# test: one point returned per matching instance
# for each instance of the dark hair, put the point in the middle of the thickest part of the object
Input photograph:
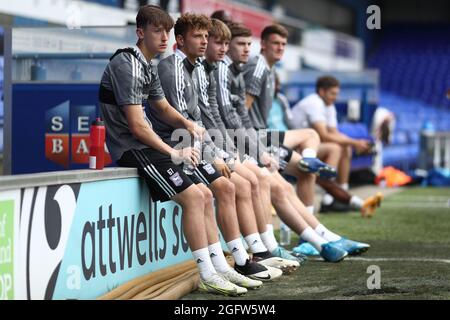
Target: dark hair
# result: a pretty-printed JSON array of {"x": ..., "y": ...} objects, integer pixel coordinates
[
  {"x": 385, "y": 132},
  {"x": 274, "y": 29},
  {"x": 326, "y": 82},
  {"x": 153, "y": 15},
  {"x": 191, "y": 21},
  {"x": 221, "y": 15},
  {"x": 219, "y": 30},
  {"x": 239, "y": 30}
]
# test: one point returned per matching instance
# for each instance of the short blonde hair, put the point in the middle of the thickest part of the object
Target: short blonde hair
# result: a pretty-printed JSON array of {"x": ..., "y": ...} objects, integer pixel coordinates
[{"x": 219, "y": 30}]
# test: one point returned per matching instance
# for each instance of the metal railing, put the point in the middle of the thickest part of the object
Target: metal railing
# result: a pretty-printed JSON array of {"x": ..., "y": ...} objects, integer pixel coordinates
[{"x": 434, "y": 150}]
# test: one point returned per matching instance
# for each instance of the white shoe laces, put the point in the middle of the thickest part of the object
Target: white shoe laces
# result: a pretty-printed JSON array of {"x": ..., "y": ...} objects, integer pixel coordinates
[
  {"x": 216, "y": 279},
  {"x": 236, "y": 275}
]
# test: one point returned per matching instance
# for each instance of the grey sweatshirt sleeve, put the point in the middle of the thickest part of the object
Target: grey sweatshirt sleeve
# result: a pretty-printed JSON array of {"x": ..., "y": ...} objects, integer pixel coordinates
[
  {"x": 228, "y": 143},
  {"x": 123, "y": 80},
  {"x": 171, "y": 84},
  {"x": 253, "y": 81},
  {"x": 227, "y": 112},
  {"x": 239, "y": 102}
]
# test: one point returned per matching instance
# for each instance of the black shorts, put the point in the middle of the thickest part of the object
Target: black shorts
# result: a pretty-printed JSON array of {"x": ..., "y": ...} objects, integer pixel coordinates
[
  {"x": 164, "y": 178},
  {"x": 205, "y": 173},
  {"x": 284, "y": 155}
]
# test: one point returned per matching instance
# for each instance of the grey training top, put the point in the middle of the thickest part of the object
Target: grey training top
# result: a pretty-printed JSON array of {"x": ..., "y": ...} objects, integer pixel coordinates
[
  {"x": 260, "y": 83},
  {"x": 180, "y": 83},
  {"x": 227, "y": 109},
  {"x": 132, "y": 80},
  {"x": 208, "y": 105},
  {"x": 231, "y": 100},
  {"x": 179, "y": 88}
]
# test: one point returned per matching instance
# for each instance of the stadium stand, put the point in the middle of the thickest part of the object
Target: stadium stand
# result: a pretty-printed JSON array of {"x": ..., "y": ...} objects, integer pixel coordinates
[
  {"x": 411, "y": 116},
  {"x": 421, "y": 55}
]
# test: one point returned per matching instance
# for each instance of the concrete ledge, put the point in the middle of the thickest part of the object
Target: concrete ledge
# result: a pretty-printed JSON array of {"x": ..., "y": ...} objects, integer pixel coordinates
[{"x": 64, "y": 177}]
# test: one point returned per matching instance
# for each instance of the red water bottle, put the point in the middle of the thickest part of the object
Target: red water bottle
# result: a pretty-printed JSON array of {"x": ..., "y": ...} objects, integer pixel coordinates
[{"x": 97, "y": 148}]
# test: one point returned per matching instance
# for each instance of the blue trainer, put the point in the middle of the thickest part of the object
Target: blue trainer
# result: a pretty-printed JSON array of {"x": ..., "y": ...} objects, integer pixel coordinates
[
  {"x": 306, "y": 249},
  {"x": 314, "y": 165},
  {"x": 352, "y": 247},
  {"x": 332, "y": 253},
  {"x": 281, "y": 252}
]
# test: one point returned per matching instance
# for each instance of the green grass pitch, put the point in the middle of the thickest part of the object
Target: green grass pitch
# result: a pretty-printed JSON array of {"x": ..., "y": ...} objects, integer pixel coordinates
[{"x": 410, "y": 239}]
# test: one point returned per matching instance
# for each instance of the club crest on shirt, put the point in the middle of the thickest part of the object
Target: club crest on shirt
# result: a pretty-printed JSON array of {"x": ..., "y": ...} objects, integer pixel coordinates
[
  {"x": 176, "y": 179},
  {"x": 209, "y": 168}
]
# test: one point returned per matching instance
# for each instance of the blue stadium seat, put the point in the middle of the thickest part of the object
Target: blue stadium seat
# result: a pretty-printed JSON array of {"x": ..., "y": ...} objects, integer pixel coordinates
[
  {"x": 410, "y": 116},
  {"x": 357, "y": 131}
]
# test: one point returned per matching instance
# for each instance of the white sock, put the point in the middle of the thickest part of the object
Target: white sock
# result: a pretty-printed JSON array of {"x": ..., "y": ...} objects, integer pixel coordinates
[
  {"x": 313, "y": 238},
  {"x": 204, "y": 264},
  {"x": 309, "y": 153},
  {"x": 327, "y": 234},
  {"x": 255, "y": 243},
  {"x": 268, "y": 238},
  {"x": 269, "y": 227},
  {"x": 218, "y": 258},
  {"x": 327, "y": 199},
  {"x": 236, "y": 248},
  {"x": 344, "y": 186},
  {"x": 356, "y": 202},
  {"x": 310, "y": 209}
]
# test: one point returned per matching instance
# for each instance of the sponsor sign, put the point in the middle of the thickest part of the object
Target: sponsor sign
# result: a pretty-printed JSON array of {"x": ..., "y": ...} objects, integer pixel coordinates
[
  {"x": 80, "y": 241},
  {"x": 9, "y": 203},
  {"x": 54, "y": 130}
]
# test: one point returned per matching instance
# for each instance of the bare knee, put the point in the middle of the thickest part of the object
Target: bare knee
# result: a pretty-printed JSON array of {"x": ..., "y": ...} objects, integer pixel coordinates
[
  {"x": 306, "y": 138},
  {"x": 225, "y": 188},
  {"x": 313, "y": 136},
  {"x": 254, "y": 183},
  {"x": 334, "y": 149},
  {"x": 277, "y": 191},
  {"x": 287, "y": 187},
  {"x": 244, "y": 188},
  {"x": 191, "y": 198},
  {"x": 263, "y": 181},
  {"x": 207, "y": 196}
]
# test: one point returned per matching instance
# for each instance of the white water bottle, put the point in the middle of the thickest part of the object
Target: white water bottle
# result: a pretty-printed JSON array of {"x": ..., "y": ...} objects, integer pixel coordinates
[
  {"x": 285, "y": 234},
  {"x": 189, "y": 168}
]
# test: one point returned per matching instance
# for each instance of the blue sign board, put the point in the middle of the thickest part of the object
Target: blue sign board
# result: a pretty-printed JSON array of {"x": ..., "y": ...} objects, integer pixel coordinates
[{"x": 50, "y": 126}]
